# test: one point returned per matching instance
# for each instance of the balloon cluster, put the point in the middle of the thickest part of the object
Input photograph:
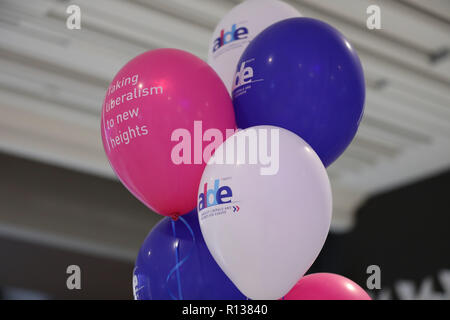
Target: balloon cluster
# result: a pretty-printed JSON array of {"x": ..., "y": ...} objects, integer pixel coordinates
[{"x": 247, "y": 210}]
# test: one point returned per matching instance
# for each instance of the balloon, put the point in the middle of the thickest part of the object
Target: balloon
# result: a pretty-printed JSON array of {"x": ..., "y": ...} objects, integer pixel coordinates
[
  {"x": 266, "y": 213},
  {"x": 156, "y": 276},
  {"x": 155, "y": 110},
  {"x": 326, "y": 286},
  {"x": 301, "y": 74},
  {"x": 235, "y": 31}
]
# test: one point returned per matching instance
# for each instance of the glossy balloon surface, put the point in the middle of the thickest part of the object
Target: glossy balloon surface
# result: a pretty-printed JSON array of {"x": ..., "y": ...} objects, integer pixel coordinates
[
  {"x": 303, "y": 75},
  {"x": 197, "y": 277}
]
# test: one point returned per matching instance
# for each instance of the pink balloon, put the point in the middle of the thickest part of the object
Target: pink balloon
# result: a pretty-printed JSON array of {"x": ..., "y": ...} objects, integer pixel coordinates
[
  {"x": 326, "y": 286},
  {"x": 153, "y": 121}
]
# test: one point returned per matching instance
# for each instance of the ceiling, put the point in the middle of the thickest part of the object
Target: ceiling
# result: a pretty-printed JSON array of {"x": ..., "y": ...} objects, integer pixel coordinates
[{"x": 53, "y": 80}]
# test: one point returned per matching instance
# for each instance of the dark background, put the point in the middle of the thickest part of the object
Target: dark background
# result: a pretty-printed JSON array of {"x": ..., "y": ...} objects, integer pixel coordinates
[{"x": 406, "y": 233}]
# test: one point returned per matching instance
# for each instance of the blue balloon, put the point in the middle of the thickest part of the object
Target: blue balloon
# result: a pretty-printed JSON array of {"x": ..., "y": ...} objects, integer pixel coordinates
[
  {"x": 174, "y": 263},
  {"x": 301, "y": 74}
]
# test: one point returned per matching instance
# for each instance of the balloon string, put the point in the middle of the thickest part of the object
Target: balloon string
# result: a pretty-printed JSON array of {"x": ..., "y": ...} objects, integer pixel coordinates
[
  {"x": 190, "y": 231},
  {"x": 178, "y": 264},
  {"x": 177, "y": 254}
]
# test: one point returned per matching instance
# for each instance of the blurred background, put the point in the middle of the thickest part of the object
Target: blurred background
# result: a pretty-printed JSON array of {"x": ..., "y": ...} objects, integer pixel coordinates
[{"x": 60, "y": 203}]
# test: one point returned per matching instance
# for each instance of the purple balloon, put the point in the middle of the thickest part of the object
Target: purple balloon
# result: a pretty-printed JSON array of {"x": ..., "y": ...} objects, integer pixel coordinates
[
  {"x": 175, "y": 264},
  {"x": 301, "y": 74}
]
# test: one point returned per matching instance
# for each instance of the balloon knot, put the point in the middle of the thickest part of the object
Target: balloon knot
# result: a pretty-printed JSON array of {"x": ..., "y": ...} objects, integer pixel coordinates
[{"x": 175, "y": 216}]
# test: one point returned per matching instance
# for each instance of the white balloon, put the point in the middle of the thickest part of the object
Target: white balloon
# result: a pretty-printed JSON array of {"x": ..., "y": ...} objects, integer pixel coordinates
[
  {"x": 266, "y": 227},
  {"x": 243, "y": 23}
]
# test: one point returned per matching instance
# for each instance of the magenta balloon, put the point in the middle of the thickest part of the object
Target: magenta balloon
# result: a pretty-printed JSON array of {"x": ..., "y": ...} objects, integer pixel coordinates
[
  {"x": 153, "y": 104},
  {"x": 326, "y": 286}
]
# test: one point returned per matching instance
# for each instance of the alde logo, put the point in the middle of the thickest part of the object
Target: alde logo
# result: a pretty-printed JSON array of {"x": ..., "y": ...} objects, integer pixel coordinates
[
  {"x": 227, "y": 37},
  {"x": 244, "y": 75},
  {"x": 214, "y": 196}
]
